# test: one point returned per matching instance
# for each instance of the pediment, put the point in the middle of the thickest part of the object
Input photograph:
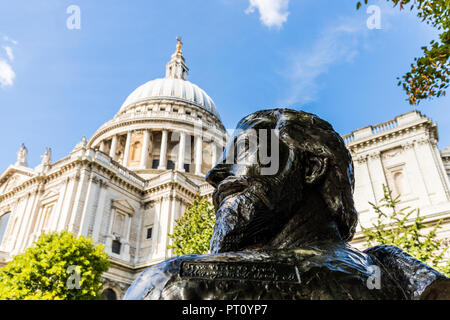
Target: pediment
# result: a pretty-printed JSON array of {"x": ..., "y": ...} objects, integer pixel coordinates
[
  {"x": 14, "y": 176},
  {"x": 50, "y": 194},
  {"x": 123, "y": 205}
]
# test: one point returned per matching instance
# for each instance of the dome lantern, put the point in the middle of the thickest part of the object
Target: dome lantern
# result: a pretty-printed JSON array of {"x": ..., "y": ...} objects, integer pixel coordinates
[{"x": 176, "y": 67}]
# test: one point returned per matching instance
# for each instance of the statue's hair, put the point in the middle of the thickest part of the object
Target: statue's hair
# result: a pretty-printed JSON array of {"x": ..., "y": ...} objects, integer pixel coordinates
[{"x": 305, "y": 135}]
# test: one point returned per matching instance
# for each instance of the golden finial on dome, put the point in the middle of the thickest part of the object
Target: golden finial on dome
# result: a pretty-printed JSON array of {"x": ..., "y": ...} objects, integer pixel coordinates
[{"x": 179, "y": 45}]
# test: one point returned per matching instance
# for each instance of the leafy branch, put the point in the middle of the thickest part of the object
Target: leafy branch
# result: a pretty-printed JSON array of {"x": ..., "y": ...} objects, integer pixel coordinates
[
  {"x": 405, "y": 228},
  {"x": 430, "y": 74}
]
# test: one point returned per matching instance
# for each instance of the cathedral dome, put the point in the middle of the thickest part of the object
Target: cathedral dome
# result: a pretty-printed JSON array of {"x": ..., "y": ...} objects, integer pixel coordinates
[
  {"x": 165, "y": 124},
  {"x": 174, "y": 86},
  {"x": 171, "y": 89}
]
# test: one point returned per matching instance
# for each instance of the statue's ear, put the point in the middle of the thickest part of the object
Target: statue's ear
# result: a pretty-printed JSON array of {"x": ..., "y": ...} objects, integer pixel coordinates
[{"x": 317, "y": 167}]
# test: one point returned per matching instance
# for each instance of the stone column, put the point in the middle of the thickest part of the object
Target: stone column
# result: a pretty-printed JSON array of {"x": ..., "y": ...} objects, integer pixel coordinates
[
  {"x": 11, "y": 227},
  {"x": 164, "y": 224},
  {"x": 90, "y": 205},
  {"x": 112, "y": 151},
  {"x": 172, "y": 217},
  {"x": 79, "y": 197},
  {"x": 127, "y": 149},
  {"x": 144, "y": 154},
  {"x": 66, "y": 208},
  {"x": 99, "y": 212},
  {"x": 181, "y": 151},
  {"x": 430, "y": 162},
  {"x": 415, "y": 173},
  {"x": 126, "y": 243},
  {"x": 109, "y": 235},
  {"x": 29, "y": 215},
  {"x": 441, "y": 168},
  {"x": 53, "y": 224},
  {"x": 20, "y": 224},
  {"x": 156, "y": 224},
  {"x": 376, "y": 172},
  {"x": 198, "y": 155},
  {"x": 102, "y": 146},
  {"x": 39, "y": 226},
  {"x": 364, "y": 188},
  {"x": 163, "y": 151}
]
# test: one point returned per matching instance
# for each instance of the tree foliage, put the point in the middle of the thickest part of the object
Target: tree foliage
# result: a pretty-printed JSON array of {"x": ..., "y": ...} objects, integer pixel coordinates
[
  {"x": 395, "y": 226},
  {"x": 429, "y": 75},
  {"x": 193, "y": 231},
  {"x": 48, "y": 270}
]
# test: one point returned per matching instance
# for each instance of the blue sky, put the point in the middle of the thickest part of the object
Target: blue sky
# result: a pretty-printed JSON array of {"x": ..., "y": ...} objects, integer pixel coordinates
[{"x": 58, "y": 84}]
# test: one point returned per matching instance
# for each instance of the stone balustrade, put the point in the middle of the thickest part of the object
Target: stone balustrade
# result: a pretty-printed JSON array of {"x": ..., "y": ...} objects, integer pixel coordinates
[{"x": 397, "y": 123}]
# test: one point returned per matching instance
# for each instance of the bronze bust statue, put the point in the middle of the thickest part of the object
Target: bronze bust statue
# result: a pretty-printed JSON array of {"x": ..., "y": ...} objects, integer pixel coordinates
[{"x": 284, "y": 235}]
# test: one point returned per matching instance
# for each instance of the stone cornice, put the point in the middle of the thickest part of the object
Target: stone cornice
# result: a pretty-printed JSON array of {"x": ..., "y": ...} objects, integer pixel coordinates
[
  {"x": 168, "y": 101},
  {"x": 168, "y": 187},
  {"x": 81, "y": 163},
  {"x": 402, "y": 125},
  {"x": 156, "y": 120},
  {"x": 114, "y": 173}
]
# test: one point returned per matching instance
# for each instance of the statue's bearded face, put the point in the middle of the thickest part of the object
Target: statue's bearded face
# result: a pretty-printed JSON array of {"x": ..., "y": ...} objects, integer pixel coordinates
[{"x": 249, "y": 200}]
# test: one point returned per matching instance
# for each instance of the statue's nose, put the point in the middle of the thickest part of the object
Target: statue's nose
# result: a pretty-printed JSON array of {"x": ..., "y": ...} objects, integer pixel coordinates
[{"x": 217, "y": 174}]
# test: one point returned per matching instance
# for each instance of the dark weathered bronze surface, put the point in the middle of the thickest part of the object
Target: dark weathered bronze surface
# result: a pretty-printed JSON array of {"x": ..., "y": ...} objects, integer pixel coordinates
[{"x": 284, "y": 235}]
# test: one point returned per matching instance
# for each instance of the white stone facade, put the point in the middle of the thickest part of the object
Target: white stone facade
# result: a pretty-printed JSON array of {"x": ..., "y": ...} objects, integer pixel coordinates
[
  {"x": 126, "y": 186},
  {"x": 402, "y": 154}
]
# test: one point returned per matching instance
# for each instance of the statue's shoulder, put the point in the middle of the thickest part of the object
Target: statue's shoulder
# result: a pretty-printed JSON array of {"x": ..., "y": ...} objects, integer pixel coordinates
[
  {"x": 180, "y": 277},
  {"x": 150, "y": 283},
  {"x": 418, "y": 280}
]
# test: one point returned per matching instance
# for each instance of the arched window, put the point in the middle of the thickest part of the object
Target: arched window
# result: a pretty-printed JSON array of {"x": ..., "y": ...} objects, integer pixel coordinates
[
  {"x": 3, "y": 224},
  {"x": 109, "y": 294}
]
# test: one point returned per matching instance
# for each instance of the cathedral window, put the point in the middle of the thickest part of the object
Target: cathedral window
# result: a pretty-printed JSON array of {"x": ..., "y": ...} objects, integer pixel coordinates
[
  {"x": 155, "y": 164},
  {"x": 170, "y": 165},
  {"x": 109, "y": 294},
  {"x": 149, "y": 233},
  {"x": 119, "y": 223},
  {"x": 3, "y": 224},
  {"x": 116, "y": 246}
]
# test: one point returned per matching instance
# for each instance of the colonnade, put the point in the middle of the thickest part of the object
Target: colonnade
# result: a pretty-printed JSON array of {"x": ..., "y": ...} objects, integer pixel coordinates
[{"x": 163, "y": 157}]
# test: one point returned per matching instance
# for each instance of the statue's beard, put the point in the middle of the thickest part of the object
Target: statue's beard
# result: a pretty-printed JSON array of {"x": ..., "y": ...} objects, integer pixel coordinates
[{"x": 245, "y": 216}]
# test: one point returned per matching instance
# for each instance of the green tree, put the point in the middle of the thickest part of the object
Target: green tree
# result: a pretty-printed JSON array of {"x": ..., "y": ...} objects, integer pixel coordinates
[
  {"x": 430, "y": 73},
  {"x": 194, "y": 229},
  {"x": 401, "y": 228},
  {"x": 50, "y": 268}
]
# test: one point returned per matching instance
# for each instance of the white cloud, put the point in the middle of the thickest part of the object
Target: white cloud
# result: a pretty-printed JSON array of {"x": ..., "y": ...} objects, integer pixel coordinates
[
  {"x": 7, "y": 74},
  {"x": 9, "y": 52},
  {"x": 273, "y": 13},
  {"x": 335, "y": 45}
]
